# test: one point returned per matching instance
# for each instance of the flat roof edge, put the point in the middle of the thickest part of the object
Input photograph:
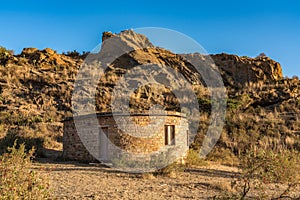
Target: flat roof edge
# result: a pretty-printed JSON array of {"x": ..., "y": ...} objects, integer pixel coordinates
[{"x": 110, "y": 114}]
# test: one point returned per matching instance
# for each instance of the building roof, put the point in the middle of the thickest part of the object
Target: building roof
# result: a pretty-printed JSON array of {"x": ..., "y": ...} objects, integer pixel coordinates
[{"x": 110, "y": 114}]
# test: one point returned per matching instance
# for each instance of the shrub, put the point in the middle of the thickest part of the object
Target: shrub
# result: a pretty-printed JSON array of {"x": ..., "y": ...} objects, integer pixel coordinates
[
  {"x": 76, "y": 55},
  {"x": 17, "y": 180},
  {"x": 205, "y": 104},
  {"x": 233, "y": 104},
  {"x": 171, "y": 170},
  {"x": 271, "y": 167},
  {"x": 16, "y": 136},
  {"x": 193, "y": 159},
  {"x": 261, "y": 168},
  {"x": 223, "y": 156},
  {"x": 4, "y": 54}
]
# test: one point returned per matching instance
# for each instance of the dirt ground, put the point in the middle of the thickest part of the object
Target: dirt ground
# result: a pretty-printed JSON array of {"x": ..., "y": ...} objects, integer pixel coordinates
[{"x": 72, "y": 180}]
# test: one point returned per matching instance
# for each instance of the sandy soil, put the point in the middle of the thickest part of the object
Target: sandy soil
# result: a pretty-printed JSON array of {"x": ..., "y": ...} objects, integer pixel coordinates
[{"x": 71, "y": 180}]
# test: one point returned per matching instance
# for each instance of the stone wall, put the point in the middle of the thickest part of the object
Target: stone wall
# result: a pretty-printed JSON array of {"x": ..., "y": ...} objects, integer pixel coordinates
[{"x": 138, "y": 133}]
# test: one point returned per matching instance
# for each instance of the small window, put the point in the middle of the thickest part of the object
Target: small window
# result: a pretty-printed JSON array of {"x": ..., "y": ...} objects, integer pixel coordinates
[
  {"x": 169, "y": 135},
  {"x": 187, "y": 138}
]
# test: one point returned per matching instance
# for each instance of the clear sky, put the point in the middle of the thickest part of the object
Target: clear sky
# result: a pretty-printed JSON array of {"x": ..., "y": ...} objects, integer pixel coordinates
[{"x": 237, "y": 27}]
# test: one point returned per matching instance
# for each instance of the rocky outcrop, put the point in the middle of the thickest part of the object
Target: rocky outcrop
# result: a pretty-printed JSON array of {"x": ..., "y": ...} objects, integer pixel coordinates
[
  {"x": 129, "y": 38},
  {"x": 237, "y": 71},
  {"x": 44, "y": 57}
]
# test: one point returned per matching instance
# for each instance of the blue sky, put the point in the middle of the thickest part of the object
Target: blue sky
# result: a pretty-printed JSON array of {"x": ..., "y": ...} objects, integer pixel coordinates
[{"x": 237, "y": 27}]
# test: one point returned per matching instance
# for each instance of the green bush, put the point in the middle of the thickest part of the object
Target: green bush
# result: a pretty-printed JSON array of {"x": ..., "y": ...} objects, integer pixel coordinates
[
  {"x": 76, "y": 55},
  {"x": 17, "y": 180},
  {"x": 4, "y": 54},
  {"x": 233, "y": 104},
  {"x": 204, "y": 104}
]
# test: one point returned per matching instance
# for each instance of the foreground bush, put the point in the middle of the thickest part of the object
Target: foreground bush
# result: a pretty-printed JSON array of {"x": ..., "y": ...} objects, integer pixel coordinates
[
  {"x": 262, "y": 169},
  {"x": 272, "y": 167},
  {"x": 17, "y": 180}
]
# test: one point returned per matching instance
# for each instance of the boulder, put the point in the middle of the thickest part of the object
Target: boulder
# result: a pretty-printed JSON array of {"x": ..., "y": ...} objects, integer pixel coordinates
[
  {"x": 28, "y": 51},
  {"x": 49, "y": 51},
  {"x": 241, "y": 71}
]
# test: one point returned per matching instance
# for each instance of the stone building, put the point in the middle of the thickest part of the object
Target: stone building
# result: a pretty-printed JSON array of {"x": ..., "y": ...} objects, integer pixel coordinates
[{"x": 137, "y": 133}]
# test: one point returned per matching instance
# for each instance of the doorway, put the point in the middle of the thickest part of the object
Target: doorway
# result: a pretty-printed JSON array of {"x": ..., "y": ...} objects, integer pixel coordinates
[{"x": 104, "y": 143}]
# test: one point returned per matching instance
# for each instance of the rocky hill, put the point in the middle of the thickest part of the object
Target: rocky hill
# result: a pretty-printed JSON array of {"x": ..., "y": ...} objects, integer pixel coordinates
[{"x": 36, "y": 88}]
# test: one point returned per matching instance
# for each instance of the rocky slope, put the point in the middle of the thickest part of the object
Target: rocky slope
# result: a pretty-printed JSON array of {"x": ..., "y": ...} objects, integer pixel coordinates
[{"x": 36, "y": 88}]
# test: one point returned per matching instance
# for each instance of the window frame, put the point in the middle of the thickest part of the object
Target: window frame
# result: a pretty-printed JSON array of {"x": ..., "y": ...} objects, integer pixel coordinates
[{"x": 169, "y": 135}]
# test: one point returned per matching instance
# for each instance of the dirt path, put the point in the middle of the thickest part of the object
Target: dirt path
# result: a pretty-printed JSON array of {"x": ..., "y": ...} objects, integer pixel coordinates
[{"x": 83, "y": 181}]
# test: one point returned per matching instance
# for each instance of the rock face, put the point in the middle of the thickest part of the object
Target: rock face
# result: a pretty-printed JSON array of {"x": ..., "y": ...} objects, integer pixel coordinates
[
  {"x": 146, "y": 95},
  {"x": 241, "y": 70},
  {"x": 129, "y": 37},
  {"x": 237, "y": 72}
]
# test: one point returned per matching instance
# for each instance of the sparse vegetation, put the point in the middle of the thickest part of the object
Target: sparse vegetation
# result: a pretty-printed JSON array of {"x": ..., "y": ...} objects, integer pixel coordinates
[
  {"x": 4, "y": 55},
  {"x": 75, "y": 54},
  {"x": 261, "y": 133},
  {"x": 193, "y": 159},
  {"x": 272, "y": 167},
  {"x": 14, "y": 136},
  {"x": 171, "y": 170},
  {"x": 262, "y": 168},
  {"x": 17, "y": 179}
]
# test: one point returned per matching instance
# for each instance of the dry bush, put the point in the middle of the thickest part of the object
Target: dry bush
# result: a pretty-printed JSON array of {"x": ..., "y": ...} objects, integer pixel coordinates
[
  {"x": 261, "y": 169},
  {"x": 148, "y": 176},
  {"x": 20, "y": 136},
  {"x": 223, "y": 156},
  {"x": 222, "y": 185},
  {"x": 193, "y": 159},
  {"x": 272, "y": 167},
  {"x": 17, "y": 180},
  {"x": 171, "y": 170}
]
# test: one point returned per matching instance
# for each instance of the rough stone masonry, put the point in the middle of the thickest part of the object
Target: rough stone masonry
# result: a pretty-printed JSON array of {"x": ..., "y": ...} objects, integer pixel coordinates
[{"x": 144, "y": 135}]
